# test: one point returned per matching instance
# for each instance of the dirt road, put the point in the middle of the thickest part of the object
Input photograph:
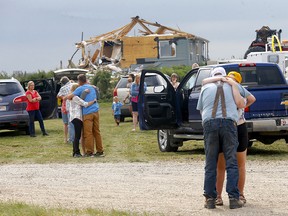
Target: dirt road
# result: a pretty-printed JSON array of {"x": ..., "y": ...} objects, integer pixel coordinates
[{"x": 157, "y": 188}]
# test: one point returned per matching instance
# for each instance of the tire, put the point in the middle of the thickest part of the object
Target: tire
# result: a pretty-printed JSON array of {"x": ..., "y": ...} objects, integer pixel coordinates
[
  {"x": 250, "y": 143},
  {"x": 166, "y": 143},
  {"x": 254, "y": 49}
]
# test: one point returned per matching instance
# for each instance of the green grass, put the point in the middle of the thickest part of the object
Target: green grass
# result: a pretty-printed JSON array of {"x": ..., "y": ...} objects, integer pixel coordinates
[
  {"x": 21, "y": 209},
  {"x": 120, "y": 144}
]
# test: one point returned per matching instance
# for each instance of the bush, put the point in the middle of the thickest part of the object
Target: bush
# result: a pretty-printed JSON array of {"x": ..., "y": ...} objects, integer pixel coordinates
[{"x": 102, "y": 81}]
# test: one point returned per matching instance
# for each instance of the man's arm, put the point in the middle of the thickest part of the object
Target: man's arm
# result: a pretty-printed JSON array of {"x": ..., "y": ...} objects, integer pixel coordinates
[
  {"x": 250, "y": 100},
  {"x": 69, "y": 96},
  {"x": 240, "y": 103},
  {"x": 213, "y": 79}
]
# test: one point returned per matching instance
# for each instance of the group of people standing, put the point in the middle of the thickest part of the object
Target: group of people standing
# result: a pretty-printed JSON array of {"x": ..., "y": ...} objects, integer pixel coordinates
[
  {"x": 221, "y": 103},
  {"x": 82, "y": 110}
]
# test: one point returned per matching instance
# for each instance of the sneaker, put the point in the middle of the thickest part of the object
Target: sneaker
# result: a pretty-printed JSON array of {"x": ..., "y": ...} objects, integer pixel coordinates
[
  {"x": 219, "y": 201},
  {"x": 99, "y": 154},
  {"x": 88, "y": 155},
  {"x": 210, "y": 203},
  {"x": 242, "y": 198},
  {"x": 77, "y": 155},
  {"x": 235, "y": 203},
  {"x": 45, "y": 134}
]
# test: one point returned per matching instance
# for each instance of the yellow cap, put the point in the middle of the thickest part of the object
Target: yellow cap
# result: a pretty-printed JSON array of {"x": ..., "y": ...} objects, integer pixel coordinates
[{"x": 237, "y": 76}]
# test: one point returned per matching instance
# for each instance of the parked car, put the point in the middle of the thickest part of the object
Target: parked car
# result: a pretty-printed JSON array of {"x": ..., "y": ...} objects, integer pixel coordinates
[
  {"x": 13, "y": 114},
  {"x": 174, "y": 115},
  {"x": 122, "y": 91}
]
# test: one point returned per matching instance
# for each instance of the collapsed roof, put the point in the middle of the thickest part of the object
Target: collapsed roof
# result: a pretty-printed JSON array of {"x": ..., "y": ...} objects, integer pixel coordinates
[{"x": 94, "y": 54}]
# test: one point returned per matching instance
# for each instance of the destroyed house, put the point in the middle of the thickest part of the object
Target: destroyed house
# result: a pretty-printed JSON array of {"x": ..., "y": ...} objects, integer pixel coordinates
[{"x": 156, "y": 46}]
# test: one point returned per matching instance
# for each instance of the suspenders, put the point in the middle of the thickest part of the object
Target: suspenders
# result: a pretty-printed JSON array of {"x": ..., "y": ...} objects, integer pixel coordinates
[{"x": 219, "y": 93}]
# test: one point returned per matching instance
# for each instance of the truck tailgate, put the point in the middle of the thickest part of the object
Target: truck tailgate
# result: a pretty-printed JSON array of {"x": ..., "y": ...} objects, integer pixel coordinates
[{"x": 268, "y": 102}]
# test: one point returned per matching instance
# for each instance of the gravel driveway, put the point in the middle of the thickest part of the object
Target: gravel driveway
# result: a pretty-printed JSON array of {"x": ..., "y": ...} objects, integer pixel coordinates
[{"x": 157, "y": 188}]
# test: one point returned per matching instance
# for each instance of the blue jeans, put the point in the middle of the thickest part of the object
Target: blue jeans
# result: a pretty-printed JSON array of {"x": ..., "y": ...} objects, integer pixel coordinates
[
  {"x": 221, "y": 133},
  {"x": 71, "y": 131},
  {"x": 38, "y": 115}
]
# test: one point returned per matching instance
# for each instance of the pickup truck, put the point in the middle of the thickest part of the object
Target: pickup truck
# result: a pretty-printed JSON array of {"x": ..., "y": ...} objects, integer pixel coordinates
[{"x": 174, "y": 115}]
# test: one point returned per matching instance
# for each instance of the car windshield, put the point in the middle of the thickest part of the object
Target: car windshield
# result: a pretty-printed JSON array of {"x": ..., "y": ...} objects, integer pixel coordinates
[{"x": 9, "y": 88}]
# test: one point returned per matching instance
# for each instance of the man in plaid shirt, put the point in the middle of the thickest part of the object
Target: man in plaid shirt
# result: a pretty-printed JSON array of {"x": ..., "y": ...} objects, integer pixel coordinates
[{"x": 68, "y": 126}]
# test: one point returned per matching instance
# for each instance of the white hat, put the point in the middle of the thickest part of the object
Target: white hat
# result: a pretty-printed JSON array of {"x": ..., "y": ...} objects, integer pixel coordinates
[{"x": 218, "y": 71}]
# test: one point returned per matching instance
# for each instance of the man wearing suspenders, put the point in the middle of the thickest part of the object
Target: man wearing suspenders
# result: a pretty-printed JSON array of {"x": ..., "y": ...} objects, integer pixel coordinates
[{"x": 218, "y": 103}]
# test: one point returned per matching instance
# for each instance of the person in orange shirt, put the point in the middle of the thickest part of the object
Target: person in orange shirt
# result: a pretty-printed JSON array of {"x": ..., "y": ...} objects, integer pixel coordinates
[{"x": 33, "y": 109}]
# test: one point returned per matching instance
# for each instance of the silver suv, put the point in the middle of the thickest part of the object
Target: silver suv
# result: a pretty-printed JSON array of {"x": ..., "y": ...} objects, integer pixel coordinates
[
  {"x": 13, "y": 114},
  {"x": 121, "y": 90}
]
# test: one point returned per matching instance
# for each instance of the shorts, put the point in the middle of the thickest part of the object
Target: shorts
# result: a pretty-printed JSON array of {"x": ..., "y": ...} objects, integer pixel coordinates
[
  {"x": 65, "y": 118},
  {"x": 117, "y": 117},
  {"x": 134, "y": 107},
  {"x": 242, "y": 138}
]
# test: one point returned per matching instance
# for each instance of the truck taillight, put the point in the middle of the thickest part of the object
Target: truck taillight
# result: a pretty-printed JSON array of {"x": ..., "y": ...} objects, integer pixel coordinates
[
  {"x": 247, "y": 109},
  {"x": 115, "y": 92},
  {"x": 247, "y": 64}
]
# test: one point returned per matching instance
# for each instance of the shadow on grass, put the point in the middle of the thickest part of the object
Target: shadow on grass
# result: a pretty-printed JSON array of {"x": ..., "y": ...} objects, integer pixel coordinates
[
  {"x": 197, "y": 151},
  {"x": 266, "y": 152},
  {"x": 8, "y": 133},
  {"x": 252, "y": 151}
]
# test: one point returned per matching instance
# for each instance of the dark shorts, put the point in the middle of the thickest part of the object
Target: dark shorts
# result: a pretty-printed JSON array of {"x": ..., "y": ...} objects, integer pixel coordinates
[
  {"x": 134, "y": 107},
  {"x": 242, "y": 138},
  {"x": 117, "y": 117}
]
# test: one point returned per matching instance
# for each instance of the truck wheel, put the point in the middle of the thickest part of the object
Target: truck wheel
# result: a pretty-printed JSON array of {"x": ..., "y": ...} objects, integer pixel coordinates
[
  {"x": 165, "y": 141},
  {"x": 254, "y": 49}
]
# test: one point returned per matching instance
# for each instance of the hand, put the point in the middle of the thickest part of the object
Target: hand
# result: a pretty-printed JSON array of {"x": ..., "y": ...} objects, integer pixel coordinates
[{"x": 229, "y": 81}]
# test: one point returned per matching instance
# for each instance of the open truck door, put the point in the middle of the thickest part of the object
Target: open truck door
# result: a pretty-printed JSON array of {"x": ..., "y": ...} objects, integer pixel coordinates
[{"x": 157, "y": 108}]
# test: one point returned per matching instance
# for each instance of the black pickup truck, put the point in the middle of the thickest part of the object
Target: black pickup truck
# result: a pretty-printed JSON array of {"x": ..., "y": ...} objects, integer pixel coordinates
[{"x": 174, "y": 115}]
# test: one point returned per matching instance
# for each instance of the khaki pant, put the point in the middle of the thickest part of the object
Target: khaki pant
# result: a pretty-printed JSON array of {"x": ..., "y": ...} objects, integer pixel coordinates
[{"x": 91, "y": 131}]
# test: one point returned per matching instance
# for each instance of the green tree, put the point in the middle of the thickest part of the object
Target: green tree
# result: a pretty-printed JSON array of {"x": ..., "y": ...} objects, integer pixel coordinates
[{"x": 102, "y": 81}]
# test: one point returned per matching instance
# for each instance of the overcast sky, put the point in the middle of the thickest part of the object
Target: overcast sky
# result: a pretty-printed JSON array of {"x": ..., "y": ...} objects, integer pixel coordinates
[{"x": 38, "y": 34}]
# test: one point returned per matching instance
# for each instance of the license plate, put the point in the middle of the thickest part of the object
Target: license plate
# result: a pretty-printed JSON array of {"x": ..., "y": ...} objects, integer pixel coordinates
[
  {"x": 2, "y": 108},
  {"x": 284, "y": 122}
]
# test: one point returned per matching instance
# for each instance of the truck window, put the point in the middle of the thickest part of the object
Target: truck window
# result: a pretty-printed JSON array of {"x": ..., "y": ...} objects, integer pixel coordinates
[{"x": 261, "y": 75}]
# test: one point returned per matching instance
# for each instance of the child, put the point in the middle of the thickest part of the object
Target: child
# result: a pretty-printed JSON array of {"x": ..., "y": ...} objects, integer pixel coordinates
[{"x": 116, "y": 109}]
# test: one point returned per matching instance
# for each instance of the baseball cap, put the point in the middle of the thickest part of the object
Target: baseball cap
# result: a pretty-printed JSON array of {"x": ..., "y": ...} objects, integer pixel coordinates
[
  {"x": 218, "y": 71},
  {"x": 237, "y": 76},
  {"x": 174, "y": 75},
  {"x": 64, "y": 80}
]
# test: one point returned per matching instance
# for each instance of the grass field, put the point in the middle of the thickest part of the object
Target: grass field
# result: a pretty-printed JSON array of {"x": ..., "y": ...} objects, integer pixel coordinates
[{"x": 120, "y": 144}]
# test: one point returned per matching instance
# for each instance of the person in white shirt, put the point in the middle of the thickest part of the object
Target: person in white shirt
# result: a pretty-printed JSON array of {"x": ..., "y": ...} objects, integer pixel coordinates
[{"x": 75, "y": 110}]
